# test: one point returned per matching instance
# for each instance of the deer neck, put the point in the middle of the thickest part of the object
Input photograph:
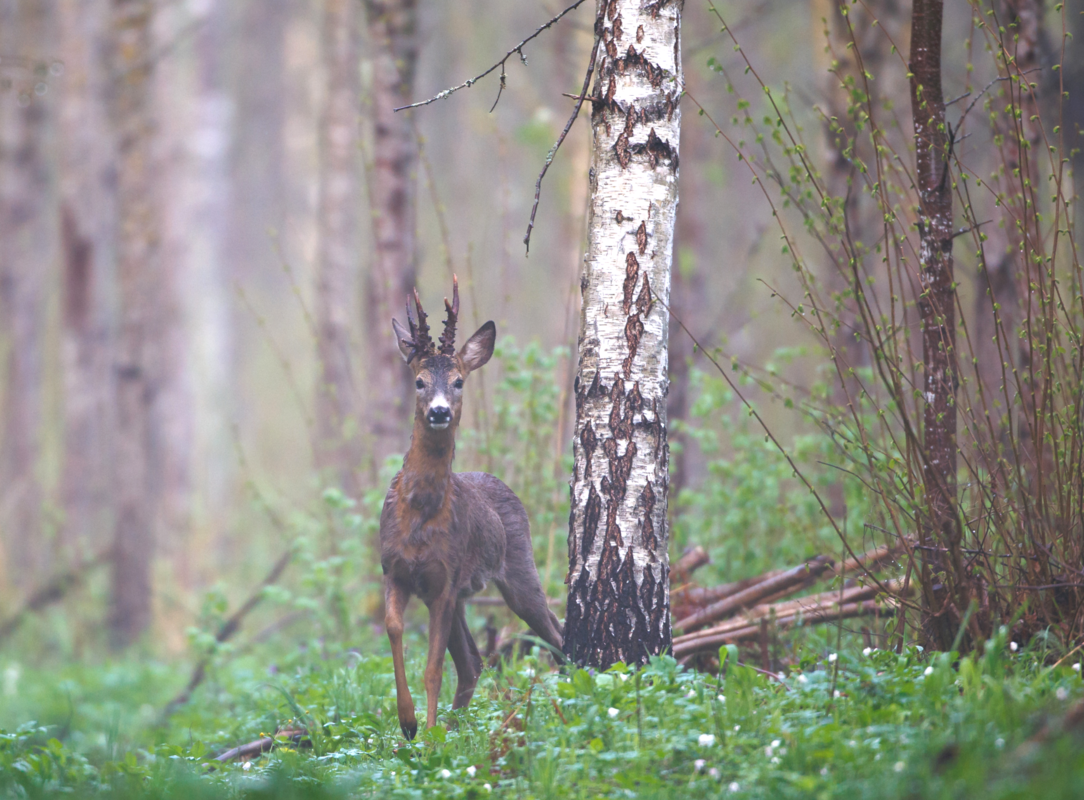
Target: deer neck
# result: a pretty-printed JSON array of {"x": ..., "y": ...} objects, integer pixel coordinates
[{"x": 427, "y": 468}]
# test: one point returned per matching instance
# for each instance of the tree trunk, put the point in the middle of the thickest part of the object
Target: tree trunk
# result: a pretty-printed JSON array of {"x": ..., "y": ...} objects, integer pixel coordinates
[
  {"x": 393, "y": 38},
  {"x": 24, "y": 257},
  {"x": 337, "y": 405},
  {"x": 137, "y": 254},
  {"x": 619, "y": 600},
  {"x": 940, "y": 526},
  {"x": 87, "y": 211}
]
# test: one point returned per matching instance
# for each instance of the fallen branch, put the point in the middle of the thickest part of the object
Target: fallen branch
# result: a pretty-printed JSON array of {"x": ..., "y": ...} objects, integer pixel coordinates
[
  {"x": 812, "y": 604},
  {"x": 746, "y": 632},
  {"x": 228, "y": 629},
  {"x": 51, "y": 592},
  {"x": 791, "y": 578},
  {"x": 692, "y": 560},
  {"x": 251, "y": 749}
]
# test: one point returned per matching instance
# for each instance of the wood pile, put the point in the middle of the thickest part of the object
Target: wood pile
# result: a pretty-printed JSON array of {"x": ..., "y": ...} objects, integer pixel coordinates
[{"x": 741, "y": 612}]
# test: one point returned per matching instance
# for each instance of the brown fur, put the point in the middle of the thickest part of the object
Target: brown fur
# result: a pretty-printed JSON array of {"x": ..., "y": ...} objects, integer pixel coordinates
[{"x": 444, "y": 536}]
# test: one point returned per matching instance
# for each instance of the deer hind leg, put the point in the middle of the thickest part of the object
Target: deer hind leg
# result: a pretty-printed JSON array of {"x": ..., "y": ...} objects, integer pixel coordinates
[
  {"x": 395, "y": 600},
  {"x": 441, "y": 622},
  {"x": 528, "y": 602},
  {"x": 465, "y": 656}
]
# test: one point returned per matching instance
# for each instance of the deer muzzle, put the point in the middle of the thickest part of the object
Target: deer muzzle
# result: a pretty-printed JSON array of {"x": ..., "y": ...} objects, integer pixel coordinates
[{"x": 439, "y": 415}]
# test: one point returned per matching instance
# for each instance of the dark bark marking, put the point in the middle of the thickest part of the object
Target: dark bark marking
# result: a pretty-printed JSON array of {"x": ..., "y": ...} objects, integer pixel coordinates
[
  {"x": 589, "y": 440},
  {"x": 634, "y": 330},
  {"x": 641, "y": 239},
  {"x": 618, "y": 27},
  {"x": 644, "y": 303},
  {"x": 592, "y": 513},
  {"x": 632, "y": 272},
  {"x": 639, "y": 34},
  {"x": 647, "y": 501}
]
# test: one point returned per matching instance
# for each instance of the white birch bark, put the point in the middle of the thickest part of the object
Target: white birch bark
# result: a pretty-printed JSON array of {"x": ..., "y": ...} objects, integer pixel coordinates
[{"x": 619, "y": 605}]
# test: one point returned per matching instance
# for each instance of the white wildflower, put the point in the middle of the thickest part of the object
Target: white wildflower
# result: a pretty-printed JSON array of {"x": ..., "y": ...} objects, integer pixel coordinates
[
  {"x": 690, "y": 695},
  {"x": 613, "y": 712},
  {"x": 706, "y": 739},
  {"x": 471, "y": 770},
  {"x": 1062, "y": 693},
  {"x": 1076, "y": 667},
  {"x": 1014, "y": 646},
  {"x": 832, "y": 658},
  {"x": 487, "y": 787},
  {"x": 824, "y": 770},
  {"x": 802, "y": 678},
  {"x": 898, "y": 766},
  {"x": 733, "y": 787},
  {"x": 713, "y": 772},
  {"x": 722, "y": 698},
  {"x": 246, "y": 766},
  {"x": 775, "y": 760},
  {"x": 445, "y": 773},
  {"x": 529, "y": 672},
  {"x": 837, "y": 693},
  {"x": 737, "y": 728},
  {"x": 624, "y": 677},
  {"x": 928, "y": 671},
  {"x": 776, "y": 743},
  {"x": 865, "y": 652},
  {"x": 699, "y": 764},
  {"x": 769, "y": 751}
]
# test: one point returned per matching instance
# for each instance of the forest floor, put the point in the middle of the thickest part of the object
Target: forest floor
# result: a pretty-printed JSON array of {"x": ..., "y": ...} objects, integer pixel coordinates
[{"x": 854, "y": 724}]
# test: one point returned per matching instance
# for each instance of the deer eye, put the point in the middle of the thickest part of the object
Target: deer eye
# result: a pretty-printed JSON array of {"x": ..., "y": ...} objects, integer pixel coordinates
[
  {"x": 458, "y": 383},
  {"x": 419, "y": 383}
]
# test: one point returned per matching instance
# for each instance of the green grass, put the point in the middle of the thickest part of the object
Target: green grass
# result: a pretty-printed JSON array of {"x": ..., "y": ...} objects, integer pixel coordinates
[{"x": 900, "y": 726}]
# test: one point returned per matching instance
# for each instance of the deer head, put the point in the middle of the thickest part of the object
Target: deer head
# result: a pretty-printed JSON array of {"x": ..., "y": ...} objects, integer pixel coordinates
[{"x": 439, "y": 372}]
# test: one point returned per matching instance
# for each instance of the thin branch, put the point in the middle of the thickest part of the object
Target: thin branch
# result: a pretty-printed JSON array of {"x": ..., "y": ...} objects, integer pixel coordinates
[
  {"x": 500, "y": 64},
  {"x": 51, "y": 592},
  {"x": 561, "y": 139},
  {"x": 228, "y": 629}
]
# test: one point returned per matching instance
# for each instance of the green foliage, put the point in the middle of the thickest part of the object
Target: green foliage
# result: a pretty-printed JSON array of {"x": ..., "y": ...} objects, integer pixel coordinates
[
  {"x": 861, "y": 724},
  {"x": 751, "y": 512}
]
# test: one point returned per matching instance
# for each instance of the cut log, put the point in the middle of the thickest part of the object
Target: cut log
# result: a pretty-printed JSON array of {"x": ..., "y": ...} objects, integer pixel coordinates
[
  {"x": 746, "y": 631},
  {"x": 794, "y": 577}
]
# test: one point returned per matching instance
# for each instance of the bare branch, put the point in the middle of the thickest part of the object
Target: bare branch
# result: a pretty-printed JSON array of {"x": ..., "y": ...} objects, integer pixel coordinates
[
  {"x": 561, "y": 139},
  {"x": 499, "y": 65}
]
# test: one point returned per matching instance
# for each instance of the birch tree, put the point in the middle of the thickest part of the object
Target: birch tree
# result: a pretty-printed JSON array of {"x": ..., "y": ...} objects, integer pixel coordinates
[
  {"x": 618, "y": 601},
  {"x": 940, "y": 528}
]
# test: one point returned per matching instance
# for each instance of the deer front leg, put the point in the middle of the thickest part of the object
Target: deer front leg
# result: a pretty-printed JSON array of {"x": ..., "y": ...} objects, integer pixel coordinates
[
  {"x": 441, "y": 619},
  {"x": 395, "y": 601}
]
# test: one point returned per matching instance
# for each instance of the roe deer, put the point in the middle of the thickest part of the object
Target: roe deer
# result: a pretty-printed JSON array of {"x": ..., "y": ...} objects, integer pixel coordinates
[{"x": 444, "y": 535}]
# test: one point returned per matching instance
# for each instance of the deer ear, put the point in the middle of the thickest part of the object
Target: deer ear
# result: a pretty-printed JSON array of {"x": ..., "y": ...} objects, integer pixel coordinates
[
  {"x": 403, "y": 340},
  {"x": 478, "y": 348}
]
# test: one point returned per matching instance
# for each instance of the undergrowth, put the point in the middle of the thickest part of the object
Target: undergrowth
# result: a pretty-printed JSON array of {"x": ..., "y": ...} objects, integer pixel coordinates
[{"x": 852, "y": 724}]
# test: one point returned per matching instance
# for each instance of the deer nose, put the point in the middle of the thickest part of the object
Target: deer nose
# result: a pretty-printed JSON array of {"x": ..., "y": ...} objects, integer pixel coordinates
[{"x": 439, "y": 415}]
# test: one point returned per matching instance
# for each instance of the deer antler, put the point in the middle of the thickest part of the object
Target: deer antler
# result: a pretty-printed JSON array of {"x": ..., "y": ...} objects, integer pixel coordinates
[
  {"x": 447, "y": 339},
  {"x": 419, "y": 331}
]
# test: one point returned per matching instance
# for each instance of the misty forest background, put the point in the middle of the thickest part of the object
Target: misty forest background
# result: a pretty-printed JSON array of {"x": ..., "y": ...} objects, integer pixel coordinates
[{"x": 273, "y": 419}]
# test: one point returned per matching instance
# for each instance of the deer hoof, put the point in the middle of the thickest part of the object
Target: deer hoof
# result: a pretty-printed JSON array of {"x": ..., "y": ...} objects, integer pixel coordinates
[{"x": 410, "y": 728}]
